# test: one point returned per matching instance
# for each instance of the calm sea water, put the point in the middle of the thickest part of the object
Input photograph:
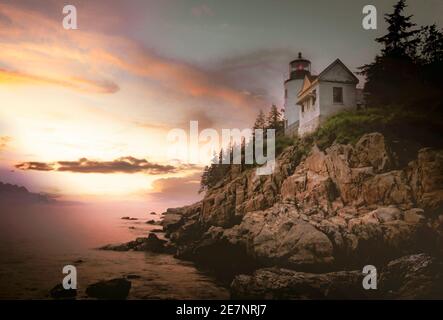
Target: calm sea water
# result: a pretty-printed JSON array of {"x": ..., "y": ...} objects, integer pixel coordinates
[{"x": 36, "y": 241}]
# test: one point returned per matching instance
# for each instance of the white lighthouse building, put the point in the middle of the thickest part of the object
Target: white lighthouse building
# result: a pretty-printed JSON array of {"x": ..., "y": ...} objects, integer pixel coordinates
[
  {"x": 298, "y": 69},
  {"x": 309, "y": 99}
]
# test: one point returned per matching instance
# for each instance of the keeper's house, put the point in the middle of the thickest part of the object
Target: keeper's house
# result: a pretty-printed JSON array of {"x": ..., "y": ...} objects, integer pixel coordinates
[{"x": 310, "y": 99}]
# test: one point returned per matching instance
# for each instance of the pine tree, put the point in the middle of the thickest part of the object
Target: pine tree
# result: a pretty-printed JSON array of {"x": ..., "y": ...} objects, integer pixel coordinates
[
  {"x": 432, "y": 69},
  {"x": 396, "y": 70},
  {"x": 260, "y": 122},
  {"x": 401, "y": 40},
  {"x": 204, "y": 182},
  {"x": 432, "y": 45},
  {"x": 274, "y": 120}
]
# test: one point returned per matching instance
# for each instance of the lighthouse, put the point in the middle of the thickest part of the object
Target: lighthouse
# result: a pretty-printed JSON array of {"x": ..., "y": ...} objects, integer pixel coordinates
[{"x": 298, "y": 69}]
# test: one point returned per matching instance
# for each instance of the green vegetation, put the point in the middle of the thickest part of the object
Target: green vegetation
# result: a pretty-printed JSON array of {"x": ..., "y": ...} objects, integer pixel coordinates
[
  {"x": 405, "y": 130},
  {"x": 217, "y": 171},
  {"x": 282, "y": 142},
  {"x": 349, "y": 126}
]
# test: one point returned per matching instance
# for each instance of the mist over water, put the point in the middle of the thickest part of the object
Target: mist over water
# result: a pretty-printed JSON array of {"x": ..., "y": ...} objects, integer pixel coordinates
[{"x": 37, "y": 240}]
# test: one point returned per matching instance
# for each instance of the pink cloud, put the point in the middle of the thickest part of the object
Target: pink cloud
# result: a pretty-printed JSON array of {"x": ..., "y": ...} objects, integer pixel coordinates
[{"x": 36, "y": 48}]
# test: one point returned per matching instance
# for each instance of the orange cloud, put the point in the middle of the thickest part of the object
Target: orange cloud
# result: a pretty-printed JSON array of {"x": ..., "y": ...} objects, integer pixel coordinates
[
  {"x": 83, "y": 165},
  {"x": 86, "y": 85},
  {"x": 181, "y": 189},
  {"x": 4, "y": 140},
  {"x": 37, "y": 49}
]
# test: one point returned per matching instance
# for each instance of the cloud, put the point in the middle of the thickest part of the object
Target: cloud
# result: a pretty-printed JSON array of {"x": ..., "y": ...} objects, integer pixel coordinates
[
  {"x": 5, "y": 21},
  {"x": 91, "y": 61},
  {"x": 38, "y": 166},
  {"x": 77, "y": 83},
  {"x": 272, "y": 59},
  {"x": 253, "y": 70},
  {"x": 202, "y": 10},
  {"x": 180, "y": 79},
  {"x": 4, "y": 140},
  {"x": 120, "y": 165},
  {"x": 179, "y": 189}
]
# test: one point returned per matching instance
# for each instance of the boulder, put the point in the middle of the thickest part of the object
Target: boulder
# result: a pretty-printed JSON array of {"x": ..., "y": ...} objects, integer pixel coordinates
[
  {"x": 425, "y": 177},
  {"x": 171, "y": 222},
  {"x": 115, "y": 289},
  {"x": 58, "y": 292},
  {"x": 372, "y": 151},
  {"x": 385, "y": 214},
  {"x": 276, "y": 283},
  {"x": 152, "y": 243},
  {"x": 415, "y": 216},
  {"x": 418, "y": 276},
  {"x": 279, "y": 236},
  {"x": 387, "y": 188}
]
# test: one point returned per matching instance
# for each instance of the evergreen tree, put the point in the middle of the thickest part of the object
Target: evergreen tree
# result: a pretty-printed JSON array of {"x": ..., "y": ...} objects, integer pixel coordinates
[
  {"x": 432, "y": 45},
  {"x": 401, "y": 40},
  {"x": 274, "y": 120},
  {"x": 432, "y": 69},
  {"x": 204, "y": 182},
  {"x": 260, "y": 122},
  {"x": 395, "y": 71}
]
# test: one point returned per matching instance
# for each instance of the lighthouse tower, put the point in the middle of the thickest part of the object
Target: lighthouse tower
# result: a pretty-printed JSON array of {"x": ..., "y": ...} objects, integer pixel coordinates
[{"x": 298, "y": 69}]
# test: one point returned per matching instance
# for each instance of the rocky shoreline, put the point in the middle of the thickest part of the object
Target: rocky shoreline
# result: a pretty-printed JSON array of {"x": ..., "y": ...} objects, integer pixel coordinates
[{"x": 307, "y": 230}]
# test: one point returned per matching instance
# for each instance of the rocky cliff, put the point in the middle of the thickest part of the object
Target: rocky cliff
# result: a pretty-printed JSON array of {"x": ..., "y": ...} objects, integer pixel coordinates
[
  {"x": 12, "y": 194},
  {"x": 316, "y": 218}
]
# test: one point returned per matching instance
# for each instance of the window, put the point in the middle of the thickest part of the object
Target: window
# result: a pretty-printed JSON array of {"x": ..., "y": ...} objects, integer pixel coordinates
[{"x": 337, "y": 93}]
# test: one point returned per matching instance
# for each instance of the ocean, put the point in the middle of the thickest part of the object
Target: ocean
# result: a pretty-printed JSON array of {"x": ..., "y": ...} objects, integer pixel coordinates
[{"x": 38, "y": 240}]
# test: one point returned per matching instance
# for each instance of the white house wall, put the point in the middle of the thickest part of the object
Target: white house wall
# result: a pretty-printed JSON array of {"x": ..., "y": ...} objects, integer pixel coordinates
[
  {"x": 324, "y": 106},
  {"x": 292, "y": 88},
  {"x": 309, "y": 119},
  {"x": 328, "y": 107}
]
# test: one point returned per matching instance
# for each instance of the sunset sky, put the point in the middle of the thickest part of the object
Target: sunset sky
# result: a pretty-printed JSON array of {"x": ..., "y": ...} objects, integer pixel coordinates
[{"x": 85, "y": 113}]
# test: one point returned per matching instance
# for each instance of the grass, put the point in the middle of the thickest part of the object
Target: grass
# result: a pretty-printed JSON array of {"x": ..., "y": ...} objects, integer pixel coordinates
[{"x": 405, "y": 130}]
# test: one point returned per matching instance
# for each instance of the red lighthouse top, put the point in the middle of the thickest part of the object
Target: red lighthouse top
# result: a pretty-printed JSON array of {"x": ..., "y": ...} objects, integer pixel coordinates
[{"x": 299, "y": 67}]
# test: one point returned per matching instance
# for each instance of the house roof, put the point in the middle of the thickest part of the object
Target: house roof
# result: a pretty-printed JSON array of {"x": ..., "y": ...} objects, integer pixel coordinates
[
  {"x": 310, "y": 80},
  {"x": 338, "y": 61},
  {"x": 308, "y": 83}
]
